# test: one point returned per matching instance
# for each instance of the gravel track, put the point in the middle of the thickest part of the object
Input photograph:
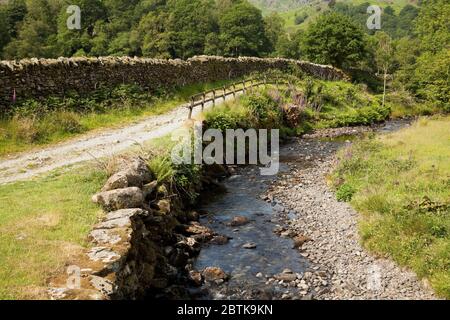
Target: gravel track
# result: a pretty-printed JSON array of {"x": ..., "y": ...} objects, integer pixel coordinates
[{"x": 97, "y": 144}]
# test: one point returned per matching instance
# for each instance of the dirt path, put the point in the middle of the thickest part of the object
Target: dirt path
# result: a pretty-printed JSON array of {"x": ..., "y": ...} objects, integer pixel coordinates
[{"x": 93, "y": 145}]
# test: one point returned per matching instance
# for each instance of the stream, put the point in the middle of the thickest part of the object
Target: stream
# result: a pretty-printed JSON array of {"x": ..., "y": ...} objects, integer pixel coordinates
[{"x": 257, "y": 272}]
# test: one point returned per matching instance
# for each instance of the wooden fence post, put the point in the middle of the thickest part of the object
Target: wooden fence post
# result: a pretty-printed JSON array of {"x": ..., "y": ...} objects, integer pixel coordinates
[
  {"x": 224, "y": 93},
  {"x": 191, "y": 107},
  {"x": 234, "y": 90},
  {"x": 214, "y": 98},
  {"x": 203, "y": 100},
  {"x": 244, "y": 90}
]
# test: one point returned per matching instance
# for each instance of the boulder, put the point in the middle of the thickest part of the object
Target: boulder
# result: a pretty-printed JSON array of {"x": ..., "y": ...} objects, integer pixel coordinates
[
  {"x": 116, "y": 181},
  {"x": 120, "y": 199},
  {"x": 103, "y": 254},
  {"x": 149, "y": 188},
  {"x": 293, "y": 113},
  {"x": 198, "y": 232},
  {"x": 249, "y": 246},
  {"x": 219, "y": 240},
  {"x": 214, "y": 274},
  {"x": 104, "y": 236},
  {"x": 195, "y": 278},
  {"x": 134, "y": 173},
  {"x": 300, "y": 240},
  {"x": 286, "y": 277},
  {"x": 137, "y": 167},
  {"x": 164, "y": 206},
  {"x": 103, "y": 285},
  {"x": 239, "y": 221},
  {"x": 192, "y": 216}
]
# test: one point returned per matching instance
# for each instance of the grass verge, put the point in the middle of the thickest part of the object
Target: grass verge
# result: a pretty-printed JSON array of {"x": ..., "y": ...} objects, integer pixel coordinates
[
  {"x": 42, "y": 222},
  {"x": 400, "y": 183},
  {"x": 36, "y": 123}
]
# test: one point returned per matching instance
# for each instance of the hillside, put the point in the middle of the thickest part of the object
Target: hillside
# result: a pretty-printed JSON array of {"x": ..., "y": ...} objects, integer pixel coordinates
[
  {"x": 298, "y": 13},
  {"x": 301, "y": 17},
  {"x": 293, "y": 5},
  {"x": 282, "y": 5}
]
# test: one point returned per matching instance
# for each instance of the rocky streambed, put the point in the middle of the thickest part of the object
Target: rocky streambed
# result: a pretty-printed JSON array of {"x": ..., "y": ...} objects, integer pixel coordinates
[{"x": 287, "y": 237}]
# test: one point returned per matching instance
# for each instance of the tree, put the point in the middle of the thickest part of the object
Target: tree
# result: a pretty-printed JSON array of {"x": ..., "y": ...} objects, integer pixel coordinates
[
  {"x": 405, "y": 19},
  {"x": 396, "y": 26},
  {"x": 156, "y": 40},
  {"x": 36, "y": 36},
  {"x": 334, "y": 39},
  {"x": 288, "y": 45},
  {"x": 242, "y": 31},
  {"x": 433, "y": 25},
  {"x": 4, "y": 30},
  {"x": 191, "y": 21},
  {"x": 431, "y": 78},
  {"x": 154, "y": 28},
  {"x": 15, "y": 11},
  {"x": 274, "y": 26},
  {"x": 71, "y": 41},
  {"x": 384, "y": 57}
]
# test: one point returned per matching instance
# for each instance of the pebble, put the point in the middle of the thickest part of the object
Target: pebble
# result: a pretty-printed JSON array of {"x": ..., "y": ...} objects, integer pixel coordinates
[{"x": 250, "y": 245}]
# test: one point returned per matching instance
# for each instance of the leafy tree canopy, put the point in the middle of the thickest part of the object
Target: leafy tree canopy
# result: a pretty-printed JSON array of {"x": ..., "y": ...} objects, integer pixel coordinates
[{"x": 334, "y": 39}]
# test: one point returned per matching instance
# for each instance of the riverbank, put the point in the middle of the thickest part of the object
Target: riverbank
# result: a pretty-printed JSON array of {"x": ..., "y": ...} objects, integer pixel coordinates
[
  {"x": 399, "y": 183},
  {"x": 302, "y": 212}
]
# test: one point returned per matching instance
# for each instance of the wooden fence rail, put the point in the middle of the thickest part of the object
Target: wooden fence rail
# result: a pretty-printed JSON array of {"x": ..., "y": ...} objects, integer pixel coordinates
[{"x": 201, "y": 99}]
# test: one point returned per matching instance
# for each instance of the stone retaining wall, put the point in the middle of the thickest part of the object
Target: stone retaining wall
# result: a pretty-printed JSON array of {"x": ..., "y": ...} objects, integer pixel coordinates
[
  {"x": 142, "y": 248},
  {"x": 39, "y": 78}
]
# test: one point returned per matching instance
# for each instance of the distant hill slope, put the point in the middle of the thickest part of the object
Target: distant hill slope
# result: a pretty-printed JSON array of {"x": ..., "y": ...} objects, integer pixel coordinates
[
  {"x": 281, "y": 5},
  {"x": 289, "y": 5},
  {"x": 298, "y": 13}
]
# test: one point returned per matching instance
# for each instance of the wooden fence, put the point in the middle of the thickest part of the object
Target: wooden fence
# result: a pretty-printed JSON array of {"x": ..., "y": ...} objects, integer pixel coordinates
[{"x": 214, "y": 95}]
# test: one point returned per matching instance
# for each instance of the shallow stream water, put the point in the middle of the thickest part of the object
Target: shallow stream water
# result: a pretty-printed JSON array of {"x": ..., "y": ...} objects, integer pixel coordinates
[{"x": 250, "y": 268}]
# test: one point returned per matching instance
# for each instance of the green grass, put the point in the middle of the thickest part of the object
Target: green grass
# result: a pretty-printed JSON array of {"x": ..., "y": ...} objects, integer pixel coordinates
[
  {"x": 43, "y": 222},
  {"x": 400, "y": 183},
  {"x": 38, "y": 124}
]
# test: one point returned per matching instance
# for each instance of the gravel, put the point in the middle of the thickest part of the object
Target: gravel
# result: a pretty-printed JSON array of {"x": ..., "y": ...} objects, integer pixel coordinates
[{"x": 341, "y": 268}]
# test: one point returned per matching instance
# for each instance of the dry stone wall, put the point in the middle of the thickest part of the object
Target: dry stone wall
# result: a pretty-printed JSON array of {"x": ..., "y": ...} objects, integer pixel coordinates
[
  {"x": 39, "y": 78},
  {"x": 144, "y": 245}
]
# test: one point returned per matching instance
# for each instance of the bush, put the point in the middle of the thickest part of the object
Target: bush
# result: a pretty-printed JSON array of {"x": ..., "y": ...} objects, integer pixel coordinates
[
  {"x": 299, "y": 19},
  {"x": 184, "y": 179},
  {"x": 162, "y": 168},
  {"x": 25, "y": 129},
  {"x": 64, "y": 122},
  {"x": 345, "y": 193},
  {"x": 352, "y": 117},
  {"x": 222, "y": 121},
  {"x": 264, "y": 110},
  {"x": 188, "y": 181}
]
